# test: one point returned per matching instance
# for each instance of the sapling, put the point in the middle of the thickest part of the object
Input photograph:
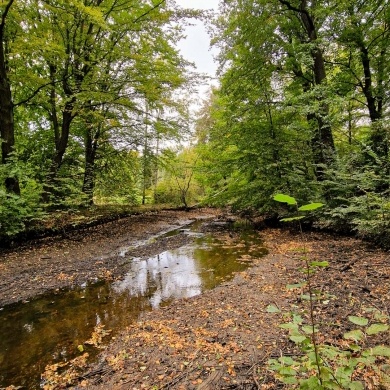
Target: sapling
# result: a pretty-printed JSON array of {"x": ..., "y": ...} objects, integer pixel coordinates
[{"x": 334, "y": 367}]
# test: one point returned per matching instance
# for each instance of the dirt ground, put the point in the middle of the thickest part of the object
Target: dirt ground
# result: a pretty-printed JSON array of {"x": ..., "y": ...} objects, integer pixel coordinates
[
  {"x": 221, "y": 339},
  {"x": 85, "y": 255}
]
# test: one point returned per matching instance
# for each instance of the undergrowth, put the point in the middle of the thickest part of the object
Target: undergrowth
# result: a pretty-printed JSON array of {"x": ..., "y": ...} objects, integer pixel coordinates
[{"x": 343, "y": 364}]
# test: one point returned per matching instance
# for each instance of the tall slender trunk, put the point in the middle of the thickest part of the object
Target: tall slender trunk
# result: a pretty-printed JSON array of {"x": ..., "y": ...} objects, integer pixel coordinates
[
  {"x": 374, "y": 101},
  {"x": 91, "y": 146},
  {"x": 7, "y": 128},
  {"x": 323, "y": 139},
  {"x": 61, "y": 139}
]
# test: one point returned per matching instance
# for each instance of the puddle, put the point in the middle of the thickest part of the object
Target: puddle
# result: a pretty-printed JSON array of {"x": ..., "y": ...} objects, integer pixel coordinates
[{"x": 49, "y": 329}]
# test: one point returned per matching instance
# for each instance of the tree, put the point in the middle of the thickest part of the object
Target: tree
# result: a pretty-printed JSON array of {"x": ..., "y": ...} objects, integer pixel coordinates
[
  {"x": 102, "y": 60},
  {"x": 7, "y": 128},
  {"x": 179, "y": 185},
  {"x": 363, "y": 39},
  {"x": 285, "y": 59},
  {"x": 323, "y": 144}
]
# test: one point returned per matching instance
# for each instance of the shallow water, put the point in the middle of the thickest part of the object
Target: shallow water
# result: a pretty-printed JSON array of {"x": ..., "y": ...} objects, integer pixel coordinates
[{"x": 50, "y": 329}]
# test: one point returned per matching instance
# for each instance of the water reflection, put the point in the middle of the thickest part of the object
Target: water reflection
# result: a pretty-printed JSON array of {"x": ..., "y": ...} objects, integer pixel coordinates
[
  {"x": 171, "y": 274},
  {"x": 49, "y": 329}
]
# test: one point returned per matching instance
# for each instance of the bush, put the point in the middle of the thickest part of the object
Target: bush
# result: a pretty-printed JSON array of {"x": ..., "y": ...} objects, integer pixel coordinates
[{"x": 15, "y": 212}]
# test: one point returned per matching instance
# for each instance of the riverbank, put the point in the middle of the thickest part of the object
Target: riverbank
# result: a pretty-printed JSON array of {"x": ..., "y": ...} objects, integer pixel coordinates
[
  {"x": 223, "y": 338},
  {"x": 85, "y": 255},
  {"x": 218, "y": 340}
]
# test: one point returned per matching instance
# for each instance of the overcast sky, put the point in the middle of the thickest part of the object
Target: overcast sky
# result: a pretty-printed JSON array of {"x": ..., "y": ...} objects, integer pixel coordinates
[{"x": 196, "y": 47}]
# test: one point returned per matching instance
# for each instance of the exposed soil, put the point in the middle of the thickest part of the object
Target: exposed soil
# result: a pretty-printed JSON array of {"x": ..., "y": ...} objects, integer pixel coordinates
[
  {"x": 85, "y": 255},
  {"x": 221, "y": 339}
]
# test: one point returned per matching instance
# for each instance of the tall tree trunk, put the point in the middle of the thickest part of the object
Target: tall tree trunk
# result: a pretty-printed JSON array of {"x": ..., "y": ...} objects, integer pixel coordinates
[
  {"x": 91, "y": 145},
  {"x": 322, "y": 143},
  {"x": 61, "y": 139},
  {"x": 7, "y": 130},
  {"x": 374, "y": 101}
]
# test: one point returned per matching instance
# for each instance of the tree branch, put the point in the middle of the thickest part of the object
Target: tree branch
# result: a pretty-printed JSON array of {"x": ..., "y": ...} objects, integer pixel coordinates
[
  {"x": 148, "y": 11},
  {"x": 301, "y": 11},
  {"x": 35, "y": 93},
  {"x": 4, "y": 16}
]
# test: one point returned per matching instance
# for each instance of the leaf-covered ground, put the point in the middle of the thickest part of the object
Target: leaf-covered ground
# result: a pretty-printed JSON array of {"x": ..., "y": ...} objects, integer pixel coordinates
[{"x": 222, "y": 339}]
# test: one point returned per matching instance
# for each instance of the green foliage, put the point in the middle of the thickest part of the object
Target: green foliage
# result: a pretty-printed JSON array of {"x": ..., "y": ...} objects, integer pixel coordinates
[
  {"x": 339, "y": 366},
  {"x": 13, "y": 214},
  {"x": 17, "y": 211},
  {"x": 285, "y": 199},
  {"x": 326, "y": 366},
  {"x": 117, "y": 181},
  {"x": 250, "y": 152},
  {"x": 179, "y": 185},
  {"x": 87, "y": 79},
  {"x": 282, "y": 198},
  {"x": 166, "y": 192},
  {"x": 358, "y": 199},
  {"x": 262, "y": 131}
]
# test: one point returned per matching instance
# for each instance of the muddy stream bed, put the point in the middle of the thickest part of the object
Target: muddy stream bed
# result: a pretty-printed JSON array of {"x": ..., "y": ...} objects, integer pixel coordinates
[{"x": 55, "y": 326}]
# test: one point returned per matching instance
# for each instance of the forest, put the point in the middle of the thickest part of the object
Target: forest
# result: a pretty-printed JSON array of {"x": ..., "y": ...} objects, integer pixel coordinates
[
  {"x": 164, "y": 265},
  {"x": 95, "y": 110}
]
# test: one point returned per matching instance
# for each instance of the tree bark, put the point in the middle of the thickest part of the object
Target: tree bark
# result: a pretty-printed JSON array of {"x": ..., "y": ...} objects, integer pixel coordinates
[
  {"x": 7, "y": 129},
  {"x": 61, "y": 138},
  {"x": 374, "y": 101},
  {"x": 322, "y": 143},
  {"x": 91, "y": 146}
]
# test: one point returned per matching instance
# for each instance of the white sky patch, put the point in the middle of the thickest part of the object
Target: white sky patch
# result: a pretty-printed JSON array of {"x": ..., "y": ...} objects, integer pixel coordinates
[{"x": 196, "y": 46}]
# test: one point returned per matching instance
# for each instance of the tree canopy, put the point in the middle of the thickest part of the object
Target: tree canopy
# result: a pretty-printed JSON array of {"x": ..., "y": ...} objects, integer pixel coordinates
[
  {"x": 94, "y": 102},
  {"x": 79, "y": 82},
  {"x": 302, "y": 108}
]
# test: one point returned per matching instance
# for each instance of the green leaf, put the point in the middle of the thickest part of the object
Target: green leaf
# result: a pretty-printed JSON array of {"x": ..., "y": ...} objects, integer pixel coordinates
[
  {"x": 287, "y": 371},
  {"x": 355, "y": 385},
  {"x": 380, "y": 350},
  {"x": 354, "y": 347},
  {"x": 319, "y": 263},
  {"x": 297, "y": 319},
  {"x": 329, "y": 351},
  {"x": 298, "y": 338},
  {"x": 355, "y": 335},
  {"x": 273, "y": 309},
  {"x": 311, "y": 206},
  {"x": 287, "y": 360},
  {"x": 308, "y": 329},
  {"x": 377, "y": 328},
  {"x": 311, "y": 383},
  {"x": 362, "y": 321},
  {"x": 289, "y": 380},
  {"x": 285, "y": 199},
  {"x": 292, "y": 218},
  {"x": 80, "y": 348},
  {"x": 290, "y": 326}
]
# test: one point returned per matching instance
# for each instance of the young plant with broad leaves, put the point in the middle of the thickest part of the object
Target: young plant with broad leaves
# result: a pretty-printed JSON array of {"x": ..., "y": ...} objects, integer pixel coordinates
[{"x": 323, "y": 365}]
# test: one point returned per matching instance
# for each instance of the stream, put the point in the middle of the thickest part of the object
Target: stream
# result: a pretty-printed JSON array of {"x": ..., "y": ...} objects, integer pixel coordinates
[{"x": 53, "y": 328}]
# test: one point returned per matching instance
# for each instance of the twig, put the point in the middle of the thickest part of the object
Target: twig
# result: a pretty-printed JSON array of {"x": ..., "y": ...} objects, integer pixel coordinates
[{"x": 182, "y": 375}]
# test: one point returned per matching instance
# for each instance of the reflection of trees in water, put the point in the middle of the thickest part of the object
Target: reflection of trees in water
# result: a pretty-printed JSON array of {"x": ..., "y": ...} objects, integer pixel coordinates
[
  {"x": 171, "y": 274},
  {"x": 49, "y": 329},
  {"x": 184, "y": 272}
]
